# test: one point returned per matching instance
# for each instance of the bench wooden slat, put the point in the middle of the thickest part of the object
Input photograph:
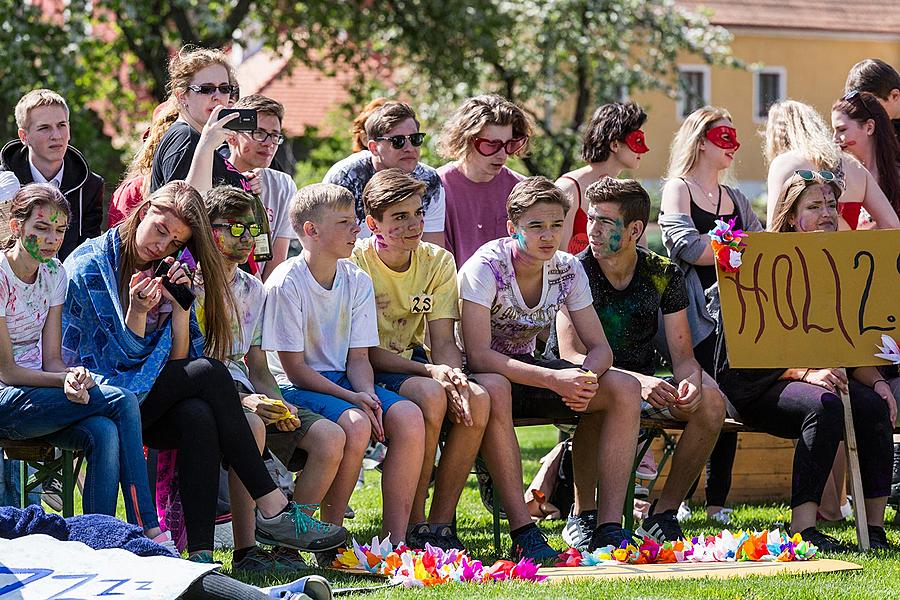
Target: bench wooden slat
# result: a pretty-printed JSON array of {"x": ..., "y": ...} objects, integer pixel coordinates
[{"x": 33, "y": 450}]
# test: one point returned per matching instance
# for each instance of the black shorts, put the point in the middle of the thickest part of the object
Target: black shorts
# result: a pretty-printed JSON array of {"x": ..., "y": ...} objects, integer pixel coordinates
[{"x": 530, "y": 402}]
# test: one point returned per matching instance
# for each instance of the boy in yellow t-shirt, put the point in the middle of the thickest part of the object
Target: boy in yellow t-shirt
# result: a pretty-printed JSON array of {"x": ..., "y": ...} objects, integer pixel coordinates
[{"x": 416, "y": 290}]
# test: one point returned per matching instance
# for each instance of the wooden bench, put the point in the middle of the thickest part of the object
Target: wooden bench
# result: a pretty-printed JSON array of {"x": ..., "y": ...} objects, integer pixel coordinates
[{"x": 43, "y": 458}]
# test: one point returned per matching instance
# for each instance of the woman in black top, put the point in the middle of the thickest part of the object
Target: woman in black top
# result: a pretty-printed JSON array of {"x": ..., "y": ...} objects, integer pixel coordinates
[{"x": 692, "y": 200}]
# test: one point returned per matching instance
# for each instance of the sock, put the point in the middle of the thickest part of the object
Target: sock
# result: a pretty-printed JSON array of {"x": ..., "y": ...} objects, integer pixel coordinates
[
  {"x": 241, "y": 553},
  {"x": 588, "y": 513},
  {"x": 608, "y": 526},
  {"x": 520, "y": 530}
]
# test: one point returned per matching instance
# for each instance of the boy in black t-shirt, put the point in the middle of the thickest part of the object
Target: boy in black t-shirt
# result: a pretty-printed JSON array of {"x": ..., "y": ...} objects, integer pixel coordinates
[{"x": 629, "y": 286}]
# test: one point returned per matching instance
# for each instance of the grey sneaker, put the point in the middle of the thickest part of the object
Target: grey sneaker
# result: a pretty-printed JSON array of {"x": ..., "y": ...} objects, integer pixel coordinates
[
  {"x": 295, "y": 529},
  {"x": 288, "y": 557},
  {"x": 314, "y": 587},
  {"x": 579, "y": 528},
  {"x": 51, "y": 493},
  {"x": 259, "y": 560}
]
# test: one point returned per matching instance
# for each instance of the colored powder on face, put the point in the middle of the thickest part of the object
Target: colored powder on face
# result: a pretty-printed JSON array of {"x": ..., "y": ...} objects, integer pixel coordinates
[
  {"x": 379, "y": 242},
  {"x": 520, "y": 240},
  {"x": 615, "y": 237},
  {"x": 54, "y": 217},
  {"x": 31, "y": 246}
]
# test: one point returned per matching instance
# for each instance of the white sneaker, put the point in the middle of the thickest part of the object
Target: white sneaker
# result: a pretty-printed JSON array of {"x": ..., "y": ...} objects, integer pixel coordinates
[
  {"x": 723, "y": 516},
  {"x": 684, "y": 512}
]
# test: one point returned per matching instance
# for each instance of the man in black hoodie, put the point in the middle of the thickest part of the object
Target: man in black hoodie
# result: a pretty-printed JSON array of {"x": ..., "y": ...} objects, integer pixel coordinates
[{"x": 42, "y": 154}]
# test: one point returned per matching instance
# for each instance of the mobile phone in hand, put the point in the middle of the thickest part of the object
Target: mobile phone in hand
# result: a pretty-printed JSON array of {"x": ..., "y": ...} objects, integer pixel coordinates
[
  {"x": 246, "y": 120},
  {"x": 180, "y": 292}
]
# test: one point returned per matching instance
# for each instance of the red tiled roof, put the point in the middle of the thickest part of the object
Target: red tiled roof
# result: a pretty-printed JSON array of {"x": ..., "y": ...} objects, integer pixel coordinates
[
  {"x": 308, "y": 95},
  {"x": 836, "y": 16}
]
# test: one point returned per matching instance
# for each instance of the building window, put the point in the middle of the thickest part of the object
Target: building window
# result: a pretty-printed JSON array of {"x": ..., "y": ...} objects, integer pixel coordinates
[
  {"x": 769, "y": 87},
  {"x": 694, "y": 86}
]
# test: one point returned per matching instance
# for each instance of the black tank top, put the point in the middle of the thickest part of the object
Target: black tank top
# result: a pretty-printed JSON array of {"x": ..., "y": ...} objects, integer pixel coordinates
[{"x": 705, "y": 221}]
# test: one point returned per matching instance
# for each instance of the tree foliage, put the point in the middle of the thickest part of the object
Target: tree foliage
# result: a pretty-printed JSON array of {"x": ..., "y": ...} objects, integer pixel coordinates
[{"x": 557, "y": 58}]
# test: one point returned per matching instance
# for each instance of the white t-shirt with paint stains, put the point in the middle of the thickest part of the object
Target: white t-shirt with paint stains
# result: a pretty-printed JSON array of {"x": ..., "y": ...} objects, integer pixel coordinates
[
  {"x": 302, "y": 316},
  {"x": 246, "y": 326},
  {"x": 488, "y": 279},
  {"x": 25, "y": 307}
]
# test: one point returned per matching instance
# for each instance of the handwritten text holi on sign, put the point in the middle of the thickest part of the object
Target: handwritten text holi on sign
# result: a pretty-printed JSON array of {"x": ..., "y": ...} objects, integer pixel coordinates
[{"x": 812, "y": 299}]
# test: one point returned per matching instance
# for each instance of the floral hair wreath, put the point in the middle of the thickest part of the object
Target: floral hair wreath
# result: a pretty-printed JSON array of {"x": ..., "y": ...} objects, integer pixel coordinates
[{"x": 727, "y": 243}]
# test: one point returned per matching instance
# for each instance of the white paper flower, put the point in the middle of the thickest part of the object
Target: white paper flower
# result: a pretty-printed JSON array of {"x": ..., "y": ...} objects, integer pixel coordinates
[
  {"x": 734, "y": 259},
  {"x": 890, "y": 351}
]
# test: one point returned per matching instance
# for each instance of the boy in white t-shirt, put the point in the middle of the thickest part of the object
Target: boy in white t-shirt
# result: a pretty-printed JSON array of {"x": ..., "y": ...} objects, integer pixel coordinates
[
  {"x": 416, "y": 293},
  {"x": 319, "y": 325},
  {"x": 512, "y": 289},
  {"x": 300, "y": 438}
]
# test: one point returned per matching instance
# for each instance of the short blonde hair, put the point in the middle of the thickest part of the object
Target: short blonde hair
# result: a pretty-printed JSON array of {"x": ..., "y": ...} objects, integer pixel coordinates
[
  {"x": 34, "y": 99},
  {"x": 531, "y": 191},
  {"x": 797, "y": 126},
  {"x": 312, "y": 200},
  {"x": 473, "y": 116},
  {"x": 389, "y": 187},
  {"x": 685, "y": 148}
]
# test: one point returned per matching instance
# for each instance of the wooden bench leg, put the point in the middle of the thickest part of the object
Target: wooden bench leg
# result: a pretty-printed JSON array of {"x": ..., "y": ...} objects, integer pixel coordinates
[
  {"x": 498, "y": 550},
  {"x": 23, "y": 484},
  {"x": 668, "y": 451}
]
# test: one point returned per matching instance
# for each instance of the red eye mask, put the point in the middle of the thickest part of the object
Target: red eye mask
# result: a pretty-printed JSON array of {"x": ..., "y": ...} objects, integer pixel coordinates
[
  {"x": 724, "y": 137},
  {"x": 636, "y": 142}
]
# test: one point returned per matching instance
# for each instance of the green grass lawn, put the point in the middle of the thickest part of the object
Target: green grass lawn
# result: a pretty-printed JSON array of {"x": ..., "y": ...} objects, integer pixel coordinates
[{"x": 880, "y": 577}]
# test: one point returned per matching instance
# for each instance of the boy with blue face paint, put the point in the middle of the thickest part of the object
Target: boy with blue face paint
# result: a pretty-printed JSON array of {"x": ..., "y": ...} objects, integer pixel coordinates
[{"x": 630, "y": 285}]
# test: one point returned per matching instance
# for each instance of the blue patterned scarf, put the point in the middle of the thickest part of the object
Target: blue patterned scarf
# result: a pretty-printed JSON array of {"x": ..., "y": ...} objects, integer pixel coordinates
[{"x": 94, "y": 331}]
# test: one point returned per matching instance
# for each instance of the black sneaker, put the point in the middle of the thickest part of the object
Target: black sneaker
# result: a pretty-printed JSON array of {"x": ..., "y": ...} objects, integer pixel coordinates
[
  {"x": 661, "y": 527},
  {"x": 825, "y": 543},
  {"x": 419, "y": 535},
  {"x": 579, "y": 529},
  {"x": 445, "y": 538},
  {"x": 878, "y": 539},
  {"x": 532, "y": 544},
  {"x": 486, "y": 486},
  {"x": 610, "y": 534},
  {"x": 326, "y": 558},
  {"x": 894, "y": 498}
]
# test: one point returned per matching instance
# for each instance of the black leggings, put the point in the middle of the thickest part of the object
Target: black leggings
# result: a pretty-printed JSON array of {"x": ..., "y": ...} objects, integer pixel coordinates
[
  {"x": 814, "y": 416},
  {"x": 194, "y": 408}
]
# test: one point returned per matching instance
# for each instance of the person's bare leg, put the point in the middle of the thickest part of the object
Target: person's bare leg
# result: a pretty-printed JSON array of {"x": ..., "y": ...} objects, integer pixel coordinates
[
  {"x": 430, "y": 397},
  {"x": 357, "y": 431},
  {"x": 324, "y": 446},
  {"x": 875, "y": 510},
  {"x": 694, "y": 446},
  {"x": 405, "y": 431},
  {"x": 803, "y": 516},
  {"x": 586, "y": 460},
  {"x": 500, "y": 450},
  {"x": 618, "y": 397},
  {"x": 459, "y": 454},
  {"x": 243, "y": 522},
  {"x": 835, "y": 494}
]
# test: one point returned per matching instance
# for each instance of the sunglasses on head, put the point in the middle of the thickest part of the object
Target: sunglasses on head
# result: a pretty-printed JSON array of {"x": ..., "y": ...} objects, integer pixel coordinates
[
  {"x": 260, "y": 135},
  {"x": 491, "y": 147},
  {"x": 237, "y": 229},
  {"x": 854, "y": 95},
  {"x": 208, "y": 89},
  {"x": 399, "y": 141}
]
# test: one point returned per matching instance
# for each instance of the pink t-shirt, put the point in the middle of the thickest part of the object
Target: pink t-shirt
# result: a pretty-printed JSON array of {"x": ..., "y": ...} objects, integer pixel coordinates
[{"x": 475, "y": 212}]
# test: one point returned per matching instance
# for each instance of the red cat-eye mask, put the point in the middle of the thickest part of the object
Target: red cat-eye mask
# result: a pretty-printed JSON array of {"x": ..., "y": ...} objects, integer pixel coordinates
[
  {"x": 724, "y": 137},
  {"x": 636, "y": 142}
]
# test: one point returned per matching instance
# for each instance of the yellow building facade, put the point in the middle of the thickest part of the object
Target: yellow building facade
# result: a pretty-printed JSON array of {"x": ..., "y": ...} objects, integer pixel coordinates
[{"x": 809, "y": 66}]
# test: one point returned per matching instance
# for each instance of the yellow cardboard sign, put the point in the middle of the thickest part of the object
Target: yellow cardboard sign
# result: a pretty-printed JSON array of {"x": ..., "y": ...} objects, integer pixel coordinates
[{"x": 820, "y": 299}]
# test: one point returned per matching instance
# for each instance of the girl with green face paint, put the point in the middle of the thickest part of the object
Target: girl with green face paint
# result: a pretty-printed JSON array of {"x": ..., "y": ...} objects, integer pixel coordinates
[{"x": 37, "y": 224}]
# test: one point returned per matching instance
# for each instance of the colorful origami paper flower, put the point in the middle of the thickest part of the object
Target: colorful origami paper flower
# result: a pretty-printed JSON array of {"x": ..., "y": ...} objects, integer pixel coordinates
[
  {"x": 727, "y": 243},
  {"x": 890, "y": 351}
]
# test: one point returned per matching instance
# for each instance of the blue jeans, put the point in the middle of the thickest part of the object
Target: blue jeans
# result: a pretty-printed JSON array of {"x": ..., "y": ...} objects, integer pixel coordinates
[{"x": 107, "y": 429}]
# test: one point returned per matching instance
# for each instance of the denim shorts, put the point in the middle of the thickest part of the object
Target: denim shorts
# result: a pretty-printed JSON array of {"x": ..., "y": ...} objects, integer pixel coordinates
[
  {"x": 393, "y": 381},
  {"x": 332, "y": 407}
]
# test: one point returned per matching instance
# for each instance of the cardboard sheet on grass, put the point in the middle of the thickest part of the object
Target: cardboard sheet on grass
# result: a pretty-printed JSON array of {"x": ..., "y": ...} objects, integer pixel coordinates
[
  {"x": 720, "y": 570},
  {"x": 39, "y": 566},
  {"x": 812, "y": 299}
]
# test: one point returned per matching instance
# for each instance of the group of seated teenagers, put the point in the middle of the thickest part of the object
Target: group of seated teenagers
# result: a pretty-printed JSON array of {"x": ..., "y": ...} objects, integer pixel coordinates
[{"x": 415, "y": 312}]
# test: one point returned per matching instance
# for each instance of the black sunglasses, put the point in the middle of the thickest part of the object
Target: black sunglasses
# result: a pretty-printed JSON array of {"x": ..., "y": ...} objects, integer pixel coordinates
[
  {"x": 208, "y": 89},
  {"x": 399, "y": 141},
  {"x": 237, "y": 229}
]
